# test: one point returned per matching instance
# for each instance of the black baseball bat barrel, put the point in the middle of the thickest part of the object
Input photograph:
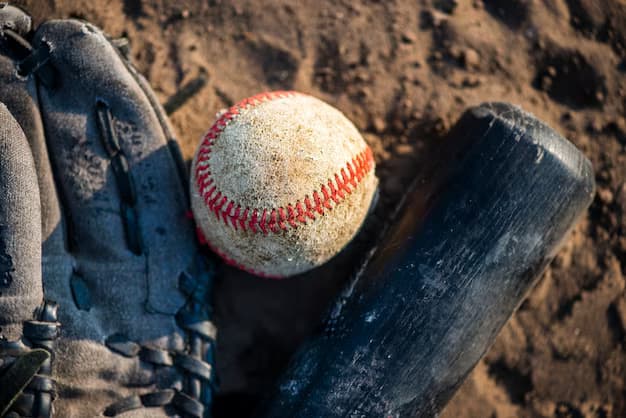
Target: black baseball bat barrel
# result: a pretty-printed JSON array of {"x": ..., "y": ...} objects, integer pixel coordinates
[{"x": 471, "y": 239}]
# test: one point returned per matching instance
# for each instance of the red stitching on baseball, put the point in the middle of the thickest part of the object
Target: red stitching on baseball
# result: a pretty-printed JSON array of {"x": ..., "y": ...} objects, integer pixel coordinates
[{"x": 275, "y": 220}]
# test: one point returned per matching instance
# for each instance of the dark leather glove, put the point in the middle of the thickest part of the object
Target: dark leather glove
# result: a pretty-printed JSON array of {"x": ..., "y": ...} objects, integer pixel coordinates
[{"x": 99, "y": 266}]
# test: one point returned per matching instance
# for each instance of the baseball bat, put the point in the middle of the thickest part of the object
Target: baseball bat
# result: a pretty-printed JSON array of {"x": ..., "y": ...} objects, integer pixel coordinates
[{"x": 470, "y": 240}]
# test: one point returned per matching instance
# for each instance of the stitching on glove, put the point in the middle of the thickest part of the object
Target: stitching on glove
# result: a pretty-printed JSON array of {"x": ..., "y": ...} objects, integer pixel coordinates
[
  {"x": 32, "y": 61},
  {"x": 163, "y": 398},
  {"x": 36, "y": 399},
  {"x": 123, "y": 177},
  {"x": 266, "y": 220},
  {"x": 196, "y": 365},
  {"x": 149, "y": 400},
  {"x": 194, "y": 317}
]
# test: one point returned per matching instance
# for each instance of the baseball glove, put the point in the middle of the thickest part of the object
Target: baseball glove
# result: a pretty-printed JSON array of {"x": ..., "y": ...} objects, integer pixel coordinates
[{"x": 104, "y": 296}]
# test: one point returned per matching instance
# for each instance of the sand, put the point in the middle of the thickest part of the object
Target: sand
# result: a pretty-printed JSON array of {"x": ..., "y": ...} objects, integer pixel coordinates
[{"x": 403, "y": 71}]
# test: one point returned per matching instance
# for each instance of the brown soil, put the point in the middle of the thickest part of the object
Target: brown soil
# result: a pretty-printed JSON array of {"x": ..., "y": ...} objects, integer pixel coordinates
[{"x": 403, "y": 71}]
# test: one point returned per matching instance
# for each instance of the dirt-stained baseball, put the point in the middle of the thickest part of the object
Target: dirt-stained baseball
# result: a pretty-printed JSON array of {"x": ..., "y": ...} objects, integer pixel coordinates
[{"x": 281, "y": 183}]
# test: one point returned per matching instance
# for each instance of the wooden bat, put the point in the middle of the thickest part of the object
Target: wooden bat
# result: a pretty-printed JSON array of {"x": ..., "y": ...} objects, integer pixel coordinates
[{"x": 473, "y": 235}]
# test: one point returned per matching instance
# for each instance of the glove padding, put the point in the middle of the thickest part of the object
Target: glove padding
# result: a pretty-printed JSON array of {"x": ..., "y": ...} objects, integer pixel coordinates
[{"x": 119, "y": 295}]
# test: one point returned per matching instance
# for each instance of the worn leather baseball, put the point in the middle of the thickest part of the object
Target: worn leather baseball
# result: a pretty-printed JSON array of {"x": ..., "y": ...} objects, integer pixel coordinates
[{"x": 281, "y": 183}]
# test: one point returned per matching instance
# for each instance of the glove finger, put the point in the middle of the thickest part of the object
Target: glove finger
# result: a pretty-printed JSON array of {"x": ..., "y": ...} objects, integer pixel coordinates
[
  {"x": 120, "y": 185},
  {"x": 20, "y": 230},
  {"x": 82, "y": 165},
  {"x": 14, "y": 19},
  {"x": 19, "y": 96},
  {"x": 99, "y": 124}
]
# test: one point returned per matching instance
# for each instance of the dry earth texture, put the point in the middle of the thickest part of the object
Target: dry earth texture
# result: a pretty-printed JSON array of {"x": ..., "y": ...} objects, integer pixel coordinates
[{"x": 403, "y": 71}]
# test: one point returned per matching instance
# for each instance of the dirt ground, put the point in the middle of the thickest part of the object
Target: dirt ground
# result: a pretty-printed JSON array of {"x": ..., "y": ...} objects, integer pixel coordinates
[{"x": 403, "y": 71}]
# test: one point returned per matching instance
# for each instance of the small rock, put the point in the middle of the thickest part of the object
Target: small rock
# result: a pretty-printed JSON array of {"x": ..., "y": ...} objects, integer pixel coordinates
[
  {"x": 540, "y": 44},
  {"x": 605, "y": 195},
  {"x": 594, "y": 126},
  {"x": 447, "y": 6},
  {"x": 362, "y": 76},
  {"x": 403, "y": 150},
  {"x": 364, "y": 93},
  {"x": 440, "y": 126},
  {"x": 602, "y": 234},
  {"x": 551, "y": 71},
  {"x": 406, "y": 103},
  {"x": 604, "y": 175},
  {"x": 470, "y": 58},
  {"x": 546, "y": 83},
  {"x": 379, "y": 124},
  {"x": 433, "y": 18},
  {"x": 409, "y": 37},
  {"x": 600, "y": 96},
  {"x": 455, "y": 52},
  {"x": 397, "y": 124},
  {"x": 471, "y": 82}
]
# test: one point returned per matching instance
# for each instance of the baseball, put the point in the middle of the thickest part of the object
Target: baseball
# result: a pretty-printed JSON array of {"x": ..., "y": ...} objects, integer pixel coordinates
[{"x": 281, "y": 183}]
